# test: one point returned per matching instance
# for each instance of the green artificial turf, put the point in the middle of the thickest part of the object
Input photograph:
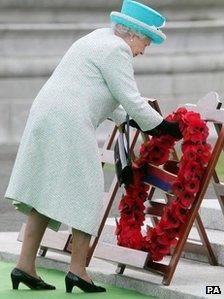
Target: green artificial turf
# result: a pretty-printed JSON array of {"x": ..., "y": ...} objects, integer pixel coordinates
[
  {"x": 220, "y": 168},
  {"x": 56, "y": 278}
]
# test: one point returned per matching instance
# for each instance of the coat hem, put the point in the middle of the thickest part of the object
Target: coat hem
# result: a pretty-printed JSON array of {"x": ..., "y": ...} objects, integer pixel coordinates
[{"x": 53, "y": 223}]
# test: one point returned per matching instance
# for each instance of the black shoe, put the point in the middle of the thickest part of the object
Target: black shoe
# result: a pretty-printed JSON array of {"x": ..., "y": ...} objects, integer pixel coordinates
[
  {"x": 72, "y": 280},
  {"x": 18, "y": 276}
]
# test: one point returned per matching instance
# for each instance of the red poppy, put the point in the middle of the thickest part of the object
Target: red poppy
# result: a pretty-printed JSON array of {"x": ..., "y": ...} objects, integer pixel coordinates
[
  {"x": 203, "y": 151},
  {"x": 126, "y": 203},
  {"x": 185, "y": 145},
  {"x": 191, "y": 118},
  {"x": 180, "y": 112},
  {"x": 166, "y": 141},
  {"x": 190, "y": 169},
  {"x": 151, "y": 235},
  {"x": 177, "y": 188},
  {"x": 173, "y": 233},
  {"x": 179, "y": 212},
  {"x": 164, "y": 240},
  {"x": 131, "y": 221},
  {"x": 163, "y": 249},
  {"x": 133, "y": 192},
  {"x": 198, "y": 132},
  {"x": 169, "y": 218},
  {"x": 132, "y": 238},
  {"x": 192, "y": 186},
  {"x": 156, "y": 256},
  {"x": 186, "y": 199}
]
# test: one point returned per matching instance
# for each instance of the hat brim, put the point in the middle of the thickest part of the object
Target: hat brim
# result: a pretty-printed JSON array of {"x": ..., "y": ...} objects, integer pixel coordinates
[{"x": 155, "y": 34}]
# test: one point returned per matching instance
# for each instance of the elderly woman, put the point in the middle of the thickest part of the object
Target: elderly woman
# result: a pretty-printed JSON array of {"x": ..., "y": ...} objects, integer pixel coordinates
[{"x": 57, "y": 175}]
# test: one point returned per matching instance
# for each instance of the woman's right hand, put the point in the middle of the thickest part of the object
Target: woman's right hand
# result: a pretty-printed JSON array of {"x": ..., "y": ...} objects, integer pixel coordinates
[{"x": 166, "y": 127}]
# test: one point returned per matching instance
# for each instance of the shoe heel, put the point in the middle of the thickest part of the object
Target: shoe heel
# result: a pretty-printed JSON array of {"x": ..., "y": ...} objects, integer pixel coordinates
[
  {"x": 15, "y": 283},
  {"x": 69, "y": 285}
]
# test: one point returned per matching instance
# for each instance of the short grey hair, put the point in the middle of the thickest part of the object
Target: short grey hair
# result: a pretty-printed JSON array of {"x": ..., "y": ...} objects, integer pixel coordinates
[{"x": 126, "y": 30}]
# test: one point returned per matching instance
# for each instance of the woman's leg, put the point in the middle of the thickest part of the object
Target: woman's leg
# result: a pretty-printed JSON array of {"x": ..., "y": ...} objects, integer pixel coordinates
[
  {"x": 35, "y": 228},
  {"x": 80, "y": 247}
]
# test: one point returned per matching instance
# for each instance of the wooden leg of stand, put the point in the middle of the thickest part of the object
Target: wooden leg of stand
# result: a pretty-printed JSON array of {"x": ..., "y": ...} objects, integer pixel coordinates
[
  {"x": 89, "y": 256},
  {"x": 166, "y": 280},
  {"x": 120, "y": 268},
  {"x": 92, "y": 246}
]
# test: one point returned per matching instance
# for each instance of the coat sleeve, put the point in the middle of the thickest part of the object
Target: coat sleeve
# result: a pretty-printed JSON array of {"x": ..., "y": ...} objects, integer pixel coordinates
[
  {"x": 118, "y": 115},
  {"x": 118, "y": 73}
]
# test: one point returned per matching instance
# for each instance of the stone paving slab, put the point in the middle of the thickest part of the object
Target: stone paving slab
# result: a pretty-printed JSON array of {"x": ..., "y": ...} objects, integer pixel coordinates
[{"x": 189, "y": 281}]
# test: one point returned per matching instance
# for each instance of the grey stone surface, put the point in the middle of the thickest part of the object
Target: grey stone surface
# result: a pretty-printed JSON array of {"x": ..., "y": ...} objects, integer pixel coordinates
[
  {"x": 20, "y": 89},
  {"x": 66, "y": 14},
  {"x": 59, "y": 4},
  {"x": 189, "y": 281},
  {"x": 94, "y": 4},
  {"x": 149, "y": 64},
  {"x": 212, "y": 215},
  {"x": 99, "y": 4},
  {"x": 54, "y": 39},
  {"x": 52, "y": 15},
  {"x": 4, "y": 121},
  {"x": 73, "y": 15}
]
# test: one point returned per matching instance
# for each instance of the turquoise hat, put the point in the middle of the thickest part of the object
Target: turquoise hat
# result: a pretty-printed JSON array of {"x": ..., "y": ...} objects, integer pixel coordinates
[{"x": 140, "y": 18}]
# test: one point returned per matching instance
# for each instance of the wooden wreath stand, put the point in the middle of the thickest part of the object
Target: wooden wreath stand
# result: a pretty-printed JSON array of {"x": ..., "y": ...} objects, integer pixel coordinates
[{"x": 210, "y": 109}]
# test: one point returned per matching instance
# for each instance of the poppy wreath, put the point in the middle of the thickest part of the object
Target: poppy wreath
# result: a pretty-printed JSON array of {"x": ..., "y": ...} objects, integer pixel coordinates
[{"x": 196, "y": 153}]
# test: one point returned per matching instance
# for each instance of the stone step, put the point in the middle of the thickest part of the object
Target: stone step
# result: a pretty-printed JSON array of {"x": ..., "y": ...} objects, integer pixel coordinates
[
  {"x": 150, "y": 63},
  {"x": 52, "y": 15},
  {"x": 104, "y": 3},
  {"x": 212, "y": 215},
  {"x": 55, "y": 39},
  {"x": 60, "y": 4},
  {"x": 216, "y": 238},
  {"x": 71, "y": 11}
]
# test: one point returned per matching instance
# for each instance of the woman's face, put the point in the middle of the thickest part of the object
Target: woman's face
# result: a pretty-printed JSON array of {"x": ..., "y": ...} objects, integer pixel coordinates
[{"x": 138, "y": 44}]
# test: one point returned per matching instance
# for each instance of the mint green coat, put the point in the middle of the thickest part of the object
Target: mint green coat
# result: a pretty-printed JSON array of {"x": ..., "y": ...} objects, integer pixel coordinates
[{"x": 57, "y": 169}]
